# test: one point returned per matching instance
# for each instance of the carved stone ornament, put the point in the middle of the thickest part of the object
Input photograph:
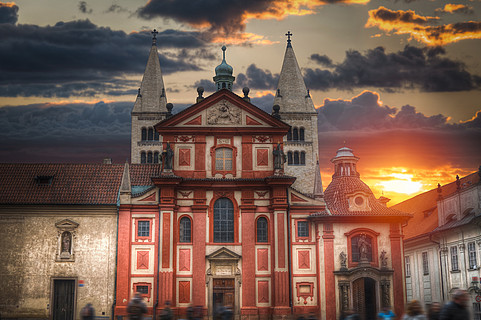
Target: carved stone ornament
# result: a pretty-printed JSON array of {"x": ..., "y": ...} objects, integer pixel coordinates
[
  {"x": 343, "y": 260},
  {"x": 261, "y": 139},
  {"x": 224, "y": 113},
  {"x": 383, "y": 260}
]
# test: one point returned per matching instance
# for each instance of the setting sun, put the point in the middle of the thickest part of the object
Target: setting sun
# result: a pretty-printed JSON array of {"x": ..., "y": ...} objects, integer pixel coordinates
[{"x": 401, "y": 183}]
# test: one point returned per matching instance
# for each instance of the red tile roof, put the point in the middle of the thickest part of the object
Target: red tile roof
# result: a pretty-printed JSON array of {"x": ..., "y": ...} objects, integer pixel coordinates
[
  {"x": 336, "y": 198},
  {"x": 71, "y": 183},
  {"x": 424, "y": 207}
]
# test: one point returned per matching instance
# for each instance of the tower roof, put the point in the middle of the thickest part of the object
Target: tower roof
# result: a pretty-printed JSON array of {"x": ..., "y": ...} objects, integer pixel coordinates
[
  {"x": 292, "y": 94},
  {"x": 223, "y": 74},
  {"x": 151, "y": 96},
  {"x": 223, "y": 69}
]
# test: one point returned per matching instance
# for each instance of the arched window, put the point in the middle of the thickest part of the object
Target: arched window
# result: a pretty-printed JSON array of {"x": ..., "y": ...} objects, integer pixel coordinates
[
  {"x": 289, "y": 158},
  {"x": 185, "y": 234},
  {"x": 262, "y": 235},
  {"x": 303, "y": 157},
  {"x": 144, "y": 134},
  {"x": 289, "y": 135},
  {"x": 296, "y": 157},
  {"x": 149, "y": 157},
  {"x": 223, "y": 221},
  {"x": 223, "y": 159},
  {"x": 295, "y": 134},
  {"x": 143, "y": 157},
  {"x": 156, "y": 136},
  {"x": 301, "y": 134},
  {"x": 223, "y": 85},
  {"x": 361, "y": 245},
  {"x": 151, "y": 134},
  {"x": 156, "y": 157}
]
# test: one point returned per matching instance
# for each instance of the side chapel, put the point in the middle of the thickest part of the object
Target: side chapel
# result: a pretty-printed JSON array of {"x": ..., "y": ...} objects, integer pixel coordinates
[{"x": 231, "y": 210}]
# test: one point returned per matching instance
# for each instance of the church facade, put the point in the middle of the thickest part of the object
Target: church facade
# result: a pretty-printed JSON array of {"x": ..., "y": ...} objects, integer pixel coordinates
[{"x": 221, "y": 205}]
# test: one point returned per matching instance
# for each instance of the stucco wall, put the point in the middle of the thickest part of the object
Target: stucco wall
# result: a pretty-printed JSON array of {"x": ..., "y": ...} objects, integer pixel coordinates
[{"x": 29, "y": 245}]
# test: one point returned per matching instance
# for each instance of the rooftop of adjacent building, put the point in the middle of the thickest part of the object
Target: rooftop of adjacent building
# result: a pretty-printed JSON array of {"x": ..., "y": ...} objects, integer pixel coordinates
[{"x": 424, "y": 207}]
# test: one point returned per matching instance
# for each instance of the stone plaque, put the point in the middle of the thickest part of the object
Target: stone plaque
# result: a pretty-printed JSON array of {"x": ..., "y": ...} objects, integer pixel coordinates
[{"x": 223, "y": 270}]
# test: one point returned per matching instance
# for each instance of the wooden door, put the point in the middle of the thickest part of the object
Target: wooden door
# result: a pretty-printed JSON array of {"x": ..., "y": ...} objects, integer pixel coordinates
[
  {"x": 358, "y": 297},
  {"x": 224, "y": 292},
  {"x": 63, "y": 299}
]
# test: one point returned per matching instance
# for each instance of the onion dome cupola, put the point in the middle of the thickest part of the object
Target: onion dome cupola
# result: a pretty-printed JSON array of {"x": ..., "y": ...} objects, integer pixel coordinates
[
  {"x": 345, "y": 163},
  {"x": 223, "y": 74}
]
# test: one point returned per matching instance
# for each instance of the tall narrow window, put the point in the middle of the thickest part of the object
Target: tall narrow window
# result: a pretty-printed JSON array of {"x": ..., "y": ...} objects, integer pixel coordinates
[
  {"x": 262, "y": 230},
  {"x": 223, "y": 221},
  {"x": 144, "y": 134},
  {"x": 156, "y": 157},
  {"x": 360, "y": 243},
  {"x": 473, "y": 264},
  {"x": 296, "y": 157},
  {"x": 289, "y": 135},
  {"x": 150, "y": 135},
  {"x": 301, "y": 134},
  {"x": 149, "y": 157},
  {"x": 143, "y": 157},
  {"x": 303, "y": 157},
  {"x": 425, "y": 263},
  {"x": 185, "y": 234},
  {"x": 295, "y": 134},
  {"x": 156, "y": 136},
  {"x": 223, "y": 159},
  {"x": 289, "y": 158},
  {"x": 302, "y": 229},
  {"x": 407, "y": 265},
  {"x": 454, "y": 259}
]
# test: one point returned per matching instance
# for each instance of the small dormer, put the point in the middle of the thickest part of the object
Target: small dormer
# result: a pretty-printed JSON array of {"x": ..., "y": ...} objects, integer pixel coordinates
[
  {"x": 44, "y": 180},
  {"x": 358, "y": 201}
]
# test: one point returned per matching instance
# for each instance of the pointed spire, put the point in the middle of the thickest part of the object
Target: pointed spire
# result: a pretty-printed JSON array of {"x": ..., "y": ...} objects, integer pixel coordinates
[
  {"x": 151, "y": 97},
  {"x": 318, "y": 194},
  {"x": 292, "y": 94},
  {"x": 125, "y": 186},
  {"x": 223, "y": 74}
]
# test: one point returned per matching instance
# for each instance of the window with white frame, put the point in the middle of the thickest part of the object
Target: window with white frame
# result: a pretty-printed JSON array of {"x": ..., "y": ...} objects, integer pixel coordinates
[
  {"x": 407, "y": 265},
  {"x": 425, "y": 263},
  {"x": 473, "y": 264}
]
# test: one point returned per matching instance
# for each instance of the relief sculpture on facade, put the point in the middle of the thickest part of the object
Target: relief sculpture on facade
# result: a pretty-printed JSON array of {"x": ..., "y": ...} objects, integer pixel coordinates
[{"x": 223, "y": 114}]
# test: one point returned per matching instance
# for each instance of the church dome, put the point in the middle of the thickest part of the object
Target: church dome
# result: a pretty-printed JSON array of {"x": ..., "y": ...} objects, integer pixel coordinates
[
  {"x": 223, "y": 69},
  {"x": 344, "y": 152}
]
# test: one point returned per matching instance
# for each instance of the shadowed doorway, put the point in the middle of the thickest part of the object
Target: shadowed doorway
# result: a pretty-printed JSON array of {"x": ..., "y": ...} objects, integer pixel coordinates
[{"x": 364, "y": 298}]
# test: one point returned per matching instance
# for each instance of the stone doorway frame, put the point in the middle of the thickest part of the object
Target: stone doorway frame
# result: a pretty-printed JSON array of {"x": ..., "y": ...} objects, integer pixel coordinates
[{"x": 223, "y": 264}]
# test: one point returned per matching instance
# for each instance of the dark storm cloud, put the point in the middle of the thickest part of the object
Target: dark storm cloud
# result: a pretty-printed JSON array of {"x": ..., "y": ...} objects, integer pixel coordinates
[
  {"x": 80, "y": 53},
  {"x": 65, "y": 132},
  {"x": 83, "y": 7},
  {"x": 323, "y": 60},
  {"x": 410, "y": 68},
  {"x": 365, "y": 112},
  {"x": 256, "y": 78},
  {"x": 115, "y": 8},
  {"x": 408, "y": 16},
  {"x": 8, "y": 13}
]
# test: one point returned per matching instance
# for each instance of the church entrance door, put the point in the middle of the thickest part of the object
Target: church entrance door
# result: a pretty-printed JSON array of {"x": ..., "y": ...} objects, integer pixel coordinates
[
  {"x": 224, "y": 293},
  {"x": 63, "y": 299},
  {"x": 364, "y": 298}
]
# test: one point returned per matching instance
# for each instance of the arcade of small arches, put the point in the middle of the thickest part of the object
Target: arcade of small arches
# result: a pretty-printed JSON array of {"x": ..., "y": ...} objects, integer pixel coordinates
[
  {"x": 149, "y": 157},
  {"x": 149, "y": 134},
  {"x": 295, "y": 134}
]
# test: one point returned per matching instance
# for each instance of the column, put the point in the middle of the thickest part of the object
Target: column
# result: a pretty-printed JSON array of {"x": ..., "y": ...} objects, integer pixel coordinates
[
  {"x": 397, "y": 266},
  {"x": 248, "y": 308},
  {"x": 329, "y": 283}
]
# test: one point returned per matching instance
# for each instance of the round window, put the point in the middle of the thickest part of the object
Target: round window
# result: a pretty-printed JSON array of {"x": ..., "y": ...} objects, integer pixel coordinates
[{"x": 359, "y": 201}]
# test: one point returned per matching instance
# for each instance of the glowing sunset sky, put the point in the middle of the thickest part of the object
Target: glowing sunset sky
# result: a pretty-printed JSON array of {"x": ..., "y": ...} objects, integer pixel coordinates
[{"x": 398, "y": 81}]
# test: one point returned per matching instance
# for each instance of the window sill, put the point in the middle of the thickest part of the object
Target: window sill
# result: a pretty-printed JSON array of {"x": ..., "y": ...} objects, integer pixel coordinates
[
  {"x": 296, "y": 165},
  {"x": 455, "y": 271}
]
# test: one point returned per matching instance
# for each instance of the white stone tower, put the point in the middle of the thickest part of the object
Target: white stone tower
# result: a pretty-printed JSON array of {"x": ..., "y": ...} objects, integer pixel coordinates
[
  {"x": 296, "y": 108},
  {"x": 150, "y": 107}
]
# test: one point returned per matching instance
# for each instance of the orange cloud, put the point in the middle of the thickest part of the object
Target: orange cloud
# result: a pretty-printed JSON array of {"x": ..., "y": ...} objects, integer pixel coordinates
[
  {"x": 241, "y": 38},
  {"x": 7, "y": 4},
  {"x": 408, "y": 22},
  {"x": 454, "y": 8}
]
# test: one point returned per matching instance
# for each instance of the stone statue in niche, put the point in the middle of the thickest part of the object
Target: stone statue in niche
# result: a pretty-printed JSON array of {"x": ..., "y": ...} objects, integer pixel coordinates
[
  {"x": 383, "y": 260},
  {"x": 343, "y": 259},
  {"x": 279, "y": 157},
  {"x": 224, "y": 114},
  {"x": 363, "y": 245},
  {"x": 66, "y": 244},
  {"x": 168, "y": 156}
]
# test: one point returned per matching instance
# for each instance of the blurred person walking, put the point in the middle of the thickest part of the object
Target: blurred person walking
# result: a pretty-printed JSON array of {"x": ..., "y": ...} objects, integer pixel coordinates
[
  {"x": 414, "y": 311},
  {"x": 136, "y": 307},
  {"x": 457, "y": 309}
]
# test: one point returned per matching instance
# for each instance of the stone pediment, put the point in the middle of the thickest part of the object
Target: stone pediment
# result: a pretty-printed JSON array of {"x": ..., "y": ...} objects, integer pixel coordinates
[
  {"x": 223, "y": 254},
  {"x": 66, "y": 224}
]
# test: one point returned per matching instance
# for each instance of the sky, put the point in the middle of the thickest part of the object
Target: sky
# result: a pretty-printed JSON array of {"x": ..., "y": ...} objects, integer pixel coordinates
[{"x": 398, "y": 81}]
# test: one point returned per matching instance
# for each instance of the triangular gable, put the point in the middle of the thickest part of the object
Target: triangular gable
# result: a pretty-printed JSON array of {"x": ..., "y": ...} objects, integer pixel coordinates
[
  {"x": 296, "y": 198},
  {"x": 223, "y": 110},
  {"x": 223, "y": 254},
  {"x": 66, "y": 224}
]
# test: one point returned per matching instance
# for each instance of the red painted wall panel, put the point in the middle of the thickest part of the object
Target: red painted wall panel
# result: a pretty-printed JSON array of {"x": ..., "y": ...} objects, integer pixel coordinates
[
  {"x": 166, "y": 245},
  {"x": 184, "y": 259},
  {"x": 262, "y": 259},
  {"x": 184, "y": 291},
  {"x": 263, "y": 291}
]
